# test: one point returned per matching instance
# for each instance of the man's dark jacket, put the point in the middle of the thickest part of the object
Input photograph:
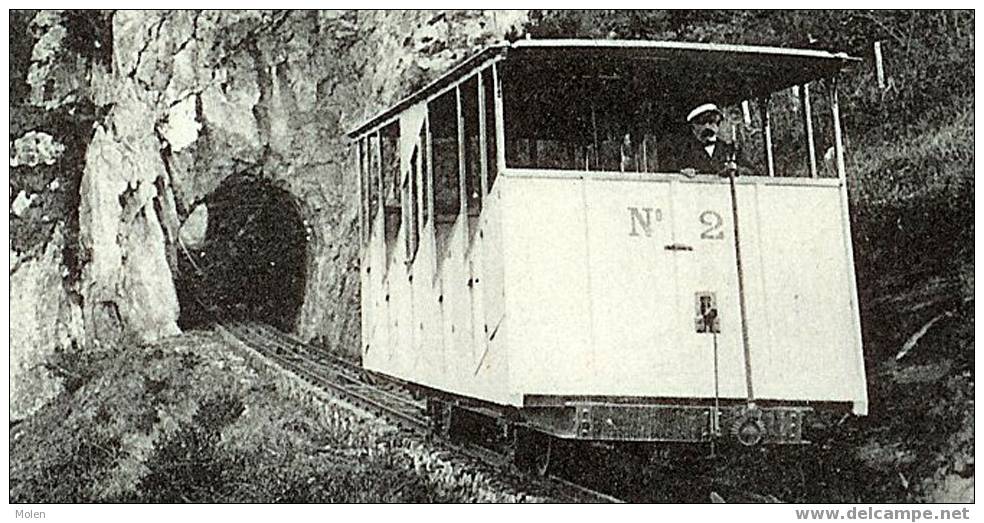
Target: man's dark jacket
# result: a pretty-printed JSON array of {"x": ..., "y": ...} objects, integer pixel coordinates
[{"x": 690, "y": 153}]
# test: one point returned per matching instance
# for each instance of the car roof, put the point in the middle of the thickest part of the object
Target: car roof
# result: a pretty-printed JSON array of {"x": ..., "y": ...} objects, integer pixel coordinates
[{"x": 745, "y": 69}]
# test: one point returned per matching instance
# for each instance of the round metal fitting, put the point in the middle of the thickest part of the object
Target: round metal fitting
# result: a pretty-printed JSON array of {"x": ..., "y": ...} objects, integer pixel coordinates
[{"x": 749, "y": 430}]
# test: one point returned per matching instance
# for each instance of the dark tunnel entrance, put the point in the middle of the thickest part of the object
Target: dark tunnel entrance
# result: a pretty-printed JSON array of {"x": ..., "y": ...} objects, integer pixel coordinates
[{"x": 251, "y": 263}]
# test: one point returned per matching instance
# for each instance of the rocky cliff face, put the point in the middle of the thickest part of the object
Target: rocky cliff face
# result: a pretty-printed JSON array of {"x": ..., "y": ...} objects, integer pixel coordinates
[{"x": 144, "y": 114}]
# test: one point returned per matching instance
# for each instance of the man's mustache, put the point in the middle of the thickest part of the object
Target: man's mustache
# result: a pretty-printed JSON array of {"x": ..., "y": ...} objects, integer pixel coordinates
[{"x": 707, "y": 133}]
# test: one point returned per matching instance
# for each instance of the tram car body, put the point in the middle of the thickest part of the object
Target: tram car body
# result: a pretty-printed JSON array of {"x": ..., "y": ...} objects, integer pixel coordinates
[{"x": 524, "y": 254}]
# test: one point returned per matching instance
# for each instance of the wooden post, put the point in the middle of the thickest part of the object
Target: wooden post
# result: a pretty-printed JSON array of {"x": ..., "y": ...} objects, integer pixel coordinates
[
  {"x": 879, "y": 65},
  {"x": 363, "y": 191},
  {"x": 429, "y": 196},
  {"x": 429, "y": 177},
  {"x": 379, "y": 170},
  {"x": 500, "y": 129},
  {"x": 483, "y": 157},
  {"x": 420, "y": 182},
  {"x": 462, "y": 164},
  {"x": 838, "y": 137},
  {"x": 767, "y": 134},
  {"x": 807, "y": 111},
  {"x": 381, "y": 185},
  {"x": 408, "y": 200},
  {"x": 746, "y": 113}
]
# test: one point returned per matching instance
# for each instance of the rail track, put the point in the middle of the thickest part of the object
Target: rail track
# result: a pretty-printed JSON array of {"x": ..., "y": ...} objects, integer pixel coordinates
[{"x": 345, "y": 379}]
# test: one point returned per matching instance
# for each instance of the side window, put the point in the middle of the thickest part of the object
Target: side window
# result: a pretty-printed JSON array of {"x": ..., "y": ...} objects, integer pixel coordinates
[
  {"x": 443, "y": 123},
  {"x": 389, "y": 160},
  {"x": 371, "y": 150},
  {"x": 364, "y": 187},
  {"x": 473, "y": 158}
]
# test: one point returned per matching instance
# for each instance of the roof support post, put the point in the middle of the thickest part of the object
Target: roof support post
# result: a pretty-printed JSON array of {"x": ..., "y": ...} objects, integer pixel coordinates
[
  {"x": 420, "y": 182},
  {"x": 363, "y": 191},
  {"x": 379, "y": 170},
  {"x": 500, "y": 129},
  {"x": 483, "y": 146},
  {"x": 429, "y": 177},
  {"x": 408, "y": 186},
  {"x": 838, "y": 137},
  {"x": 381, "y": 184},
  {"x": 767, "y": 134},
  {"x": 462, "y": 189},
  {"x": 429, "y": 197},
  {"x": 807, "y": 110}
]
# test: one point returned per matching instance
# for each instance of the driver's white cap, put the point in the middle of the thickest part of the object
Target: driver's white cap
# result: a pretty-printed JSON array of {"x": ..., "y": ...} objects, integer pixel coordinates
[{"x": 701, "y": 109}]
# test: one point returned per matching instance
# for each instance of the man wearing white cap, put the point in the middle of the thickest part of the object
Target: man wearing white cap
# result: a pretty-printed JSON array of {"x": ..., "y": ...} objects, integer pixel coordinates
[{"x": 704, "y": 152}]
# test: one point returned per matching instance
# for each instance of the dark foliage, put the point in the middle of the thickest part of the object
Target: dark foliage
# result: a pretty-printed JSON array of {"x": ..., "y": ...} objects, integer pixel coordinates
[{"x": 929, "y": 53}]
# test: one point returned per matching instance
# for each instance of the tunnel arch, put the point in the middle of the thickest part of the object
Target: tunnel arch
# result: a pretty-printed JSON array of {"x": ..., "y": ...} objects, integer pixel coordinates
[{"x": 251, "y": 263}]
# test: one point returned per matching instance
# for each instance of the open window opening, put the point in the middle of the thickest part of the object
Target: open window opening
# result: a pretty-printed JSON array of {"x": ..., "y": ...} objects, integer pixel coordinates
[
  {"x": 442, "y": 120},
  {"x": 629, "y": 113},
  {"x": 608, "y": 119},
  {"x": 472, "y": 145},
  {"x": 388, "y": 153},
  {"x": 369, "y": 180},
  {"x": 488, "y": 123}
]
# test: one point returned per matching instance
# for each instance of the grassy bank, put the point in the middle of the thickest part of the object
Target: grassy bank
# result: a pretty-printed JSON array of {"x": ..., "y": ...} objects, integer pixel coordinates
[
  {"x": 914, "y": 229},
  {"x": 190, "y": 420}
]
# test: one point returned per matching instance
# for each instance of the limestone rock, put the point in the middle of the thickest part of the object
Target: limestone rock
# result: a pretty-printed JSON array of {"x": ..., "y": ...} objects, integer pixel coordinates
[
  {"x": 180, "y": 129},
  {"x": 35, "y": 148},
  {"x": 22, "y": 202},
  {"x": 192, "y": 232},
  {"x": 44, "y": 318},
  {"x": 127, "y": 283}
]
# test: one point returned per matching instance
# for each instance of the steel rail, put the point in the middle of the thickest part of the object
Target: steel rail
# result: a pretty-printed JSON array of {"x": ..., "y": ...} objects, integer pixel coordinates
[
  {"x": 327, "y": 380},
  {"x": 267, "y": 341}
]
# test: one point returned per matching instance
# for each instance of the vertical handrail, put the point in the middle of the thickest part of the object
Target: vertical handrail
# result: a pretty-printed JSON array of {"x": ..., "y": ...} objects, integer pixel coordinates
[
  {"x": 742, "y": 306},
  {"x": 808, "y": 127},
  {"x": 767, "y": 134}
]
